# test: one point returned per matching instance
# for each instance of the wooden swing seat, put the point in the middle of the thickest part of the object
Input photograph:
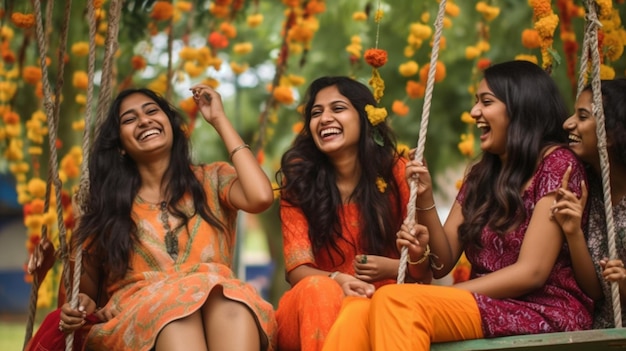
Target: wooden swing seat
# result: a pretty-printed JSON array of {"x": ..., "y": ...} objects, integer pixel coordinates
[{"x": 587, "y": 340}]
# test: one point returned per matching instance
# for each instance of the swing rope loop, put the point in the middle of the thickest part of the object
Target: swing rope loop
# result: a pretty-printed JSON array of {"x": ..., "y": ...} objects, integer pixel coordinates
[
  {"x": 419, "y": 154},
  {"x": 591, "y": 48}
]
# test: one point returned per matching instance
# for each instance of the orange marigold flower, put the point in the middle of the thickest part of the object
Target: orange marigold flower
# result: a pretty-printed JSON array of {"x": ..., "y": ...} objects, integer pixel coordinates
[
  {"x": 359, "y": 16},
  {"x": 415, "y": 90},
  {"x": 440, "y": 72},
  {"x": 399, "y": 108},
  {"x": 219, "y": 11},
  {"x": 314, "y": 7},
  {"x": 243, "y": 48},
  {"x": 36, "y": 206},
  {"x": 466, "y": 145},
  {"x": 297, "y": 127},
  {"x": 138, "y": 62},
  {"x": 375, "y": 57},
  {"x": 22, "y": 20},
  {"x": 283, "y": 94},
  {"x": 98, "y": 3},
  {"x": 80, "y": 80},
  {"x": 228, "y": 30},
  {"x": 31, "y": 74},
  {"x": 291, "y": 3},
  {"x": 11, "y": 117},
  {"x": 37, "y": 187},
  {"x": 531, "y": 39},
  {"x": 162, "y": 11},
  {"x": 218, "y": 40},
  {"x": 483, "y": 63}
]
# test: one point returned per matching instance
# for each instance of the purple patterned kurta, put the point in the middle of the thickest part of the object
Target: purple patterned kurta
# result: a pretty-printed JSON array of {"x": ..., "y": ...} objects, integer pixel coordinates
[{"x": 560, "y": 305}]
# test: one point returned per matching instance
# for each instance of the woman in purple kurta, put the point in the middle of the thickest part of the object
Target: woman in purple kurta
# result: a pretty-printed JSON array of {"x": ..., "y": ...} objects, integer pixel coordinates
[{"x": 522, "y": 280}]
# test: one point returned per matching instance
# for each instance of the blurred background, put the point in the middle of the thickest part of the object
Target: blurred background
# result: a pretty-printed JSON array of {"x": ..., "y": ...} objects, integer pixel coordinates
[{"x": 260, "y": 55}]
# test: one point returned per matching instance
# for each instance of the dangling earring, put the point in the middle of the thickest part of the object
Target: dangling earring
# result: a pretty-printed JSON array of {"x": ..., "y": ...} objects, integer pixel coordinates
[{"x": 122, "y": 154}]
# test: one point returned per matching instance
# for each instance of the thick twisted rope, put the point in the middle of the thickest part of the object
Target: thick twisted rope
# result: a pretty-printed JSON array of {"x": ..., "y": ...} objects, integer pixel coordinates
[
  {"x": 591, "y": 48},
  {"x": 50, "y": 109},
  {"x": 419, "y": 153}
]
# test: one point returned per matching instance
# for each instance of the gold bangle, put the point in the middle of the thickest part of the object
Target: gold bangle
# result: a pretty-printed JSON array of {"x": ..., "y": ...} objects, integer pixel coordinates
[
  {"x": 333, "y": 275},
  {"x": 424, "y": 257},
  {"x": 240, "y": 147},
  {"x": 426, "y": 208}
]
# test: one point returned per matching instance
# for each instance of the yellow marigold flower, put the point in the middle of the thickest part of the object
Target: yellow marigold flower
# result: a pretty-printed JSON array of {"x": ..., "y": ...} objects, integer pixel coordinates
[
  {"x": 184, "y": 6},
  {"x": 466, "y": 117},
  {"x": 466, "y": 146},
  {"x": 378, "y": 15},
  {"x": 297, "y": 127},
  {"x": 296, "y": 80},
  {"x": 37, "y": 187},
  {"x": 162, "y": 11},
  {"x": 242, "y": 48},
  {"x": 31, "y": 74},
  {"x": 359, "y": 16},
  {"x": 97, "y": 3},
  {"x": 80, "y": 48},
  {"x": 295, "y": 48},
  {"x": 159, "y": 85},
  {"x": 421, "y": 31},
  {"x": 35, "y": 150},
  {"x": 375, "y": 115},
  {"x": 69, "y": 166},
  {"x": 254, "y": 20},
  {"x": 13, "y": 130},
  {"x": 80, "y": 80},
  {"x": 452, "y": 9},
  {"x": 529, "y": 58},
  {"x": 613, "y": 46},
  {"x": 39, "y": 115},
  {"x": 212, "y": 82},
  {"x": 483, "y": 46},
  {"x": 19, "y": 167},
  {"x": 547, "y": 25},
  {"x": 408, "y": 68},
  {"x": 50, "y": 217},
  {"x": 78, "y": 126},
  {"x": 228, "y": 29},
  {"x": 283, "y": 94},
  {"x": 237, "y": 68},
  {"x": 408, "y": 51},
  {"x": 378, "y": 84},
  {"x": 6, "y": 33},
  {"x": 447, "y": 22},
  {"x": 192, "y": 69},
  {"x": 607, "y": 72},
  {"x": 33, "y": 222},
  {"x": 381, "y": 184},
  {"x": 3, "y": 134},
  {"x": 472, "y": 52},
  {"x": 425, "y": 17},
  {"x": 100, "y": 39},
  {"x": 403, "y": 150},
  {"x": 399, "y": 108},
  {"x": 188, "y": 53}
]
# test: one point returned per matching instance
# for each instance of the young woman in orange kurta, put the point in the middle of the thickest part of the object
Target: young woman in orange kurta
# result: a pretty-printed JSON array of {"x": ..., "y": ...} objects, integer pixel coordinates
[
  {"x": 158, "y": 234},
  {"x": 343, "y": 198}
]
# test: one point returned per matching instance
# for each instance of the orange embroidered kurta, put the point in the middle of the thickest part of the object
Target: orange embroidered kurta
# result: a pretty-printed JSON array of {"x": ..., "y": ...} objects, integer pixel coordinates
[
  {"x": 307, "y": 311},
  {"x": 158, "y": 290}
]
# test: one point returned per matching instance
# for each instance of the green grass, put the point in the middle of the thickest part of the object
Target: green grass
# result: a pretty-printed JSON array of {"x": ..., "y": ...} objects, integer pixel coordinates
[{"x": 12, "y": 335}]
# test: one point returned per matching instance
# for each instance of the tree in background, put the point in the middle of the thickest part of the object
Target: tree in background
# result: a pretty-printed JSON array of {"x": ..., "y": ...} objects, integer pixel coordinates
[{"x": 260, "y": 55}]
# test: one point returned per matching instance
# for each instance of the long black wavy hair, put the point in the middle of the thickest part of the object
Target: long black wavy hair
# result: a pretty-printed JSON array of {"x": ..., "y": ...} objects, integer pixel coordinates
[
  {"x": 106, "y": 224},
  {"x": 307, "y": 178},
  {"x": 536, "y": 112},
  {"x": 614, "y": 106}
]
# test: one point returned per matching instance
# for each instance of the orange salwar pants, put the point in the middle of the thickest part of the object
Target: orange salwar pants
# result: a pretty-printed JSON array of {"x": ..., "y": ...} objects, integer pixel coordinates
[
  {"x": 306, "y": 313},
  {"x": 405, "y": 317}
]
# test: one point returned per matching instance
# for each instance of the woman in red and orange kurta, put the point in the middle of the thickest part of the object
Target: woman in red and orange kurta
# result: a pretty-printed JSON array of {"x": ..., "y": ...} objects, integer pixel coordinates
[
  {"x": 162, "y": 232},
  {"x": 343, "y": 198}
]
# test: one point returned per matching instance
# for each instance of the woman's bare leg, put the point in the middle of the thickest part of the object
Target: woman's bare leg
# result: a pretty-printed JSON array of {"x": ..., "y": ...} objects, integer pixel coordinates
[
  {"x": 183, "y": 334},
  {"x": 229, "y": 325}
]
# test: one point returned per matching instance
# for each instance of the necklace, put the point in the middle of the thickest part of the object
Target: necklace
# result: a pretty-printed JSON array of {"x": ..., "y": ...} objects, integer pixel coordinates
[{"x": 171, "y": 240}]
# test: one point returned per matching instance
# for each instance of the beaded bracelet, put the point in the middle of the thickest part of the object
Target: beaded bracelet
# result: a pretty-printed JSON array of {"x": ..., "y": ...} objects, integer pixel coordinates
[
  {"x": 240, "y": 147},
  {"x": 424, "y": 257}
]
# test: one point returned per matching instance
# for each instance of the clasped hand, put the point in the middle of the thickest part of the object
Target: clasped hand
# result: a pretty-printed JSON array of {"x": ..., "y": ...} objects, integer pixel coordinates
[{"x": 72, "y": 319}]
